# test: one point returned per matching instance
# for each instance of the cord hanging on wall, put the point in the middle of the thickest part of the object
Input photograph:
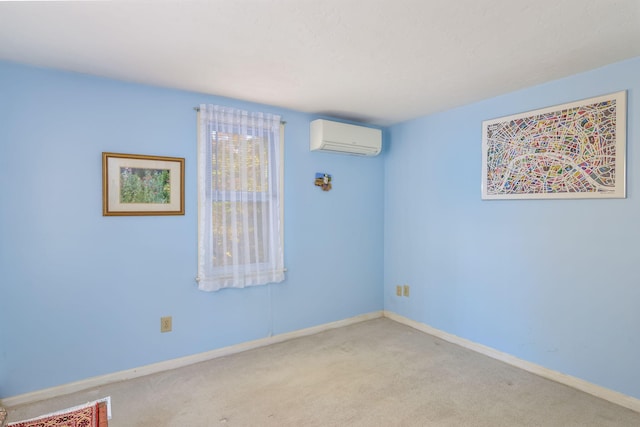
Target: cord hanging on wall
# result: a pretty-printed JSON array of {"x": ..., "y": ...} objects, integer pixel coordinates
[{"x": 323, "y": 180}]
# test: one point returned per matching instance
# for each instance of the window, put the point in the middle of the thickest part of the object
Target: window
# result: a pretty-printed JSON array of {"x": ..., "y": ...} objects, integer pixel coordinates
[{"x": 240, "y": 209}]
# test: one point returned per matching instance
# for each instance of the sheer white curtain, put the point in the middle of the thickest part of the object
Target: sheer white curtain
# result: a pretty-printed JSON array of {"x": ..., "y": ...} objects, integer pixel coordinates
[{"x": 239, "y": 216}]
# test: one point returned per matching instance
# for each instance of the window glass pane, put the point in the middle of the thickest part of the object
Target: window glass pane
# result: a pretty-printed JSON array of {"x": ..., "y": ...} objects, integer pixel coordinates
[
  {"x": 228, "y": 230},
  {"x": 248, "y": 155}
]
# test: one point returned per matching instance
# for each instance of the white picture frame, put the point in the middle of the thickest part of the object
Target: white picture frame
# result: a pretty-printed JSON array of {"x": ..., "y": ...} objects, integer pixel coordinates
[{"x": 567, "y": 151}]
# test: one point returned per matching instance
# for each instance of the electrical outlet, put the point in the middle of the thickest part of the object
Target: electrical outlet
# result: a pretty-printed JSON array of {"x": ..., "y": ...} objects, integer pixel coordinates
[
  {"x": 405, "y": 290},
  {"x": 165, "y": 324},
  {"x": 398, "y": 290}
]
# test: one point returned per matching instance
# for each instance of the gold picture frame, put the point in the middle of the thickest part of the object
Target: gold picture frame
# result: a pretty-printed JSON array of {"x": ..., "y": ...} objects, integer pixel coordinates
[{"x": 136, "y": 184}]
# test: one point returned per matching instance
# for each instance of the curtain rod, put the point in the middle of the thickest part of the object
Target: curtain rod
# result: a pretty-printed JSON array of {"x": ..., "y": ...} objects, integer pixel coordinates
[{"x": 282, "y": 122}]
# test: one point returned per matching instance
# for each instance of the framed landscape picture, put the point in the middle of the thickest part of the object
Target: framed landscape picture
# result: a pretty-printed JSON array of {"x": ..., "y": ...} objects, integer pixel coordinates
[
  {"x": 574, "y": 150},
  {"x": 135, "y": 184}
]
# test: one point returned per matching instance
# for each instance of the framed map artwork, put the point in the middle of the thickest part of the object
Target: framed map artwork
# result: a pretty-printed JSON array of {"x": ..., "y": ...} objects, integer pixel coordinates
[{"x": 574, "y": 150}]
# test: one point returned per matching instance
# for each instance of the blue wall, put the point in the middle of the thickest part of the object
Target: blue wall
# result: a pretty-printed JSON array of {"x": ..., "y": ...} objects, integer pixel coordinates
[
  {"x": 554, "y": 282},
  {"x": 82, "y": 295}
]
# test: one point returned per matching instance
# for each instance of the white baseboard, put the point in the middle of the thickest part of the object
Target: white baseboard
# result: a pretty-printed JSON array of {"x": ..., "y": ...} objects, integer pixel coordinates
[
  {"x": 167, "y": 365},
  {"x": 574, "y": 382},
  {"x": 577, "y": 383}
]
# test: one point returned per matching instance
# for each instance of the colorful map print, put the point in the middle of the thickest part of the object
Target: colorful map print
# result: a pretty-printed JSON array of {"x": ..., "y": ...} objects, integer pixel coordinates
[{"x": 570, "y": 151}]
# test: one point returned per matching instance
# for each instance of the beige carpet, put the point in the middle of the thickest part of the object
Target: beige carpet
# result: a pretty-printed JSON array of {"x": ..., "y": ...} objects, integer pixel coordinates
[{"x": 375, "y": 373}]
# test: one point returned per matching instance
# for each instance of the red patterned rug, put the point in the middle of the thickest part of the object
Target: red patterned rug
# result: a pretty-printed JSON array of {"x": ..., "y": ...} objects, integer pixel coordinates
[{"x": 92, "y": 415}]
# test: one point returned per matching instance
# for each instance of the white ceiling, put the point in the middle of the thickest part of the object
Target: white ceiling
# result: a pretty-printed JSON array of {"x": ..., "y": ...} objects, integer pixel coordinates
[{"x": 376, "y": 61}]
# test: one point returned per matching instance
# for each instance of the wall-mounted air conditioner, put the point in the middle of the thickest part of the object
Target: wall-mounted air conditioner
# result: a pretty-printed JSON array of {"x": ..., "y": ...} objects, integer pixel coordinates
[{"x": 343, "y": 138}]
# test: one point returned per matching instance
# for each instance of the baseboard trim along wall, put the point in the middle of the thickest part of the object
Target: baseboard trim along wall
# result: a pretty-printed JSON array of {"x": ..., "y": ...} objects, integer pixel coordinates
[
  {"x": 568, "y": 380},
  {"x": 167, "y": 365},
  {"x": 577, "y": 383}
]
